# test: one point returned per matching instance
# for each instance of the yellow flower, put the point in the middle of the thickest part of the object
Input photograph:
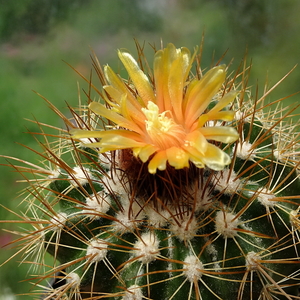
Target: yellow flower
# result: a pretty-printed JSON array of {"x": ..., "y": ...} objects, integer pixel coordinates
[{"x": 165, "y": 121}]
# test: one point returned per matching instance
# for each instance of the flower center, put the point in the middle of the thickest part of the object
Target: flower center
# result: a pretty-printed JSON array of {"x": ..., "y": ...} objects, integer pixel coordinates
[{"x": 163, "y": 131}]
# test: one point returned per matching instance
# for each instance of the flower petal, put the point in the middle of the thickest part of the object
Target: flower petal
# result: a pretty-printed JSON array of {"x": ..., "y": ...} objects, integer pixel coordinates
[
  {"x": 229, "y": 97},
  {"x": 177, "y": 157},
  {"x": 224, "y": 115},
  {"x": 202, "y": 93},
  {"x": 138, "y": 77},
  {"x": 220, "y": 133},
  {"x": 115, "y": 81},
  {"x": 195, "y": 157},
  {"x": 175, "y": 88},
  {"x": 159, "y": 161},
  {"x": 160, "y": 77},
  {"x": 102, "y": 111},
  {"x": 106, "y": 134},
  {"x": 215, "y": 158},
  {"x": 115, "y": 142},
  {"x": 196, "y": 140},
  {"x": 131, "y": 113},
  {"x": 145, "y": 152}
]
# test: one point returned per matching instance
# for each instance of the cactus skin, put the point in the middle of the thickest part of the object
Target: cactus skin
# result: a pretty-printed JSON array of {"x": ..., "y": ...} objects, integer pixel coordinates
[
  {"x": 160, "y": 254},
  {"x": 117, "y": 232}
]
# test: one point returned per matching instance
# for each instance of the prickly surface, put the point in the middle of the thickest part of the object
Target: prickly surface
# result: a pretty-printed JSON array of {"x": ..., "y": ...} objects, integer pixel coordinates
[
  {"x": 189, "y": 234},
  {"x": 230, "y": 235}
]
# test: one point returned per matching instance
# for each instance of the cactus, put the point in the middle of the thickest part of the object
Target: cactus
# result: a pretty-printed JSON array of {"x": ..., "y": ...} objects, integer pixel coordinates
[{"x": 172, "y": 185}]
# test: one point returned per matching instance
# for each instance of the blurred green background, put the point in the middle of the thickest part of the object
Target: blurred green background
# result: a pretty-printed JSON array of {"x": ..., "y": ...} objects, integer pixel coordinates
[{"x": 36, "y": 36}]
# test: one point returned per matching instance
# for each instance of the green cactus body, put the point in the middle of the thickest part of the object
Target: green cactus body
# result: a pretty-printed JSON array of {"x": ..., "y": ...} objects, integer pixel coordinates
[
  {"x": 237, "y": 243},
  {"x": 117, "y": 231}
]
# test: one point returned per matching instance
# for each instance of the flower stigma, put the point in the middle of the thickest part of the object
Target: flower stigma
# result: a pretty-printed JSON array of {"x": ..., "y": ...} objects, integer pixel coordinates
[{"x": 162, "y": 130}]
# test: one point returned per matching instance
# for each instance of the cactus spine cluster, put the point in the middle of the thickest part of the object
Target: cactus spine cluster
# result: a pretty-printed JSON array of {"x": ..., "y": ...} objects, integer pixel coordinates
[{"x": 117, "y": 230}]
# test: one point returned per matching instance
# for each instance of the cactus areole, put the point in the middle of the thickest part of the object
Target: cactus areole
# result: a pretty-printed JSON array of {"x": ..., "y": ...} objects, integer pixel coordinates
[{"x": 174, "y": 184}]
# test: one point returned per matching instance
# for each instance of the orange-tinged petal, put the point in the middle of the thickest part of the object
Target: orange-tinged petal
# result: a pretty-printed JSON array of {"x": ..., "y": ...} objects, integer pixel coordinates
[
  {"x": 202, "y": 93},
  {"x": 175, "y": 88},
  {"x": 130, "y": 113},
  {"x": 139, "y": 79},
  {"x": 124, "y": 107},
  {"x": 179, "y": 64},
  {"x": 177, "y": 157},
  {"x": 160, "y": 78},
  {"x": 220, "y": 134},
  {"x": 159, "y": 161},
  {"x": 196, "y": 140},
  {"x": 162, "y": 64}
]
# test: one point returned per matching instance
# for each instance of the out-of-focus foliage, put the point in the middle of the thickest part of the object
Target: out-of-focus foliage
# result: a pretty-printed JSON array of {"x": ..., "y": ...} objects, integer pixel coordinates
[
  {"x": 34, "y": 16},
  {"x": 37, "y": 17}
]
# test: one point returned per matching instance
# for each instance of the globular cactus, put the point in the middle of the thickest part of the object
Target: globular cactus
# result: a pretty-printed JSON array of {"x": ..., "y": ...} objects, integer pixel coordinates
[{"x": 173, "y": 185}]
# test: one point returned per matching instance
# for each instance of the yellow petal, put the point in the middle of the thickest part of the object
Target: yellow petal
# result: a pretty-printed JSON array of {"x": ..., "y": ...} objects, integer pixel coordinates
[
  {"x": 175, "y": 87},
  {"x": 220, "y": 133},
  {"x": 178, "y": 69},
  {"x": 145, "y": 152},
  {"x": 138, "y": 77},
  {"x": 202, "y": 93},
  {"x": 101, "y": 110},
  {"x": 113, "y": 93},
  {"x": 159, "y": 161},
  {"x": 131, "y": 113},
  {"x": 190, "y": 87},
  {"x": 162, "y": 63},
  {"x": 215, "y": 158},
  {"x": 196, "y": 140},
  {"x": 187, "y": 61},
  {"x": 118, "y": 84},
  {"x": 105, "y": 134},
  {"x": 201, "y": 121},
  {"x": 225, "y": 115},
  {"x": 160, "y": 77},
  {"x": 177, "y": 157},
  {"x": 195, "y": 157},
  {"x": 229, "y": 97},
  {"x": 171, "y": 65},
  {"x": 114, "y": 142}
]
